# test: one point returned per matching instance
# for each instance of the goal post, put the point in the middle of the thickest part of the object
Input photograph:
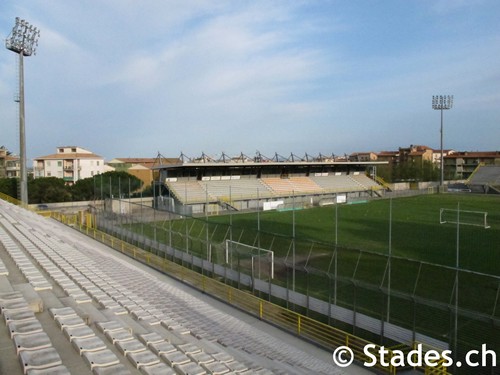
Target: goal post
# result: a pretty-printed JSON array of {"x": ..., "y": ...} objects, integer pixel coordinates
[
  {"x": 252, "y": 251},
  {"x": 464, "y": 217}
]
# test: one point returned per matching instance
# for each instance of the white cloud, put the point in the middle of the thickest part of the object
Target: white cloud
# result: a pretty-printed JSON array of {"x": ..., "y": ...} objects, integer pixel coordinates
[{"x": 142, "y": 77}]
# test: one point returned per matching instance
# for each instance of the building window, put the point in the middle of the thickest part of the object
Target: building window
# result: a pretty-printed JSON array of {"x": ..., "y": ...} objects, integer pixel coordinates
[
  {"x": 59, "y": 163},
  {"x": 48, "y": 163}
]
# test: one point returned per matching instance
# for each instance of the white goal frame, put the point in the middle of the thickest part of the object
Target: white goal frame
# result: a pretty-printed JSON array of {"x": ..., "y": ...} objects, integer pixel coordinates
[
  {"x": 253, "y": 250},
  {"x": 484, "y": 223}
]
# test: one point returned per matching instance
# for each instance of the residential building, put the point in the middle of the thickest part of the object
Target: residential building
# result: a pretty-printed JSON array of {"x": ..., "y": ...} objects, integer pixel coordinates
[
  {"x": 461, "y": 165},
  {"x": 415, "y": 154},
  {"x": 363, "y": 156},
  {"x": 13, "y": 166},
  {"x": 70, "y": 163},
  {"x": 3, "y": 155},
  {"x": 392, "y": 157},
  {"x": 139, "y": 167},
  {"x": 10, "y": 165}
]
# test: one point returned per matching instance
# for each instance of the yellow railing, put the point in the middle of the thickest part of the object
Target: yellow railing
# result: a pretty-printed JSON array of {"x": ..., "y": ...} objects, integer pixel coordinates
[
  {"x": 474, "y": 172},
  {"x": 320, "y": 333},
  {"x": 303, "y": 326},
  {"x": 12, "y": 200},
  {"x": 382, "y": 182}
]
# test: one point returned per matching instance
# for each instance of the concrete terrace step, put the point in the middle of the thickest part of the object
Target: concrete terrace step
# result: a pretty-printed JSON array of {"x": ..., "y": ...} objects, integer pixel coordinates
[{"x": 127, "y": 318}]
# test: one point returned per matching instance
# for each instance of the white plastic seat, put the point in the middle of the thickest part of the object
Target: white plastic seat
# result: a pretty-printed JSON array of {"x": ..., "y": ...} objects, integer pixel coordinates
[
  {"x": 39, "y": 359},
  {"x": 222, "y": 357},
  {"x": 162, "y": 347},
  {"x": 109, "y": 326},
  {"x": 189, "y": 348},
  {"x": 56, "y": 370},
  {"x": 190, "y": 368},
  {"x": 201, "y": 357},
  {"x": 150, "y": 338},
  {"x": 39, "y": 340},
  {"x": 117, "y": 369},
  {"x": 24, "y": 328},
  {"x": 70, "y": 322},
  {"x": 10, "y": 296},
  {"x": 88, "y": 344},
  {"x": 18, "y": 315},
  {"x": 57, "y": 312},
  {"x": 119, "y": 335},
  {"x": 101, "y": 358},
  {"x": 130, "y": 346},
  {"x": 236, "y": 366},
  {"x": 143, "y": 358},
  {"x": 174, "y": 358},
  {"x": 78, "y": 332},
  {"x": 157, "y": 369},
  {"x": 216, "y": 368},
  {"x": 13, "y": 305}
]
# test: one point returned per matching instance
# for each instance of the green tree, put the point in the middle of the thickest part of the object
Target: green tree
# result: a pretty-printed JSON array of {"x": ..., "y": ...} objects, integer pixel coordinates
[
  {"x": 48, "y": 190},
  {"x": 116, "y": 184},
  {"x": 8, "y": 186}
]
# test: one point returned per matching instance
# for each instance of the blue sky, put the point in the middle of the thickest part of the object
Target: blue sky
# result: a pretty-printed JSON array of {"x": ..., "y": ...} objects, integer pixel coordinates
[{"x": 127, "y": 78}]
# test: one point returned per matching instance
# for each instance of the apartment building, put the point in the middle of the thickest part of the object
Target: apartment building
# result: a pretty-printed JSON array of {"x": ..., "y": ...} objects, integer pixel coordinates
[
  {"x": 461, "y": 165},
  {"x": 10, "y": 165},
  {"x": 70, "y": 163}
]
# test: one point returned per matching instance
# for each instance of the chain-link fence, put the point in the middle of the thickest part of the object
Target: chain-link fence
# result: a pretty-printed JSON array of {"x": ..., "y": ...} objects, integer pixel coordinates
[{"x": 382, "y": 269}]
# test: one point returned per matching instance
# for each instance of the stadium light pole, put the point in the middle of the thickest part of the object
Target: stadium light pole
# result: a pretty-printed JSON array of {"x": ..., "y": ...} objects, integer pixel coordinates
[
  {"x": 23, "y": 40},
  {"x": 441, "y": 103}
]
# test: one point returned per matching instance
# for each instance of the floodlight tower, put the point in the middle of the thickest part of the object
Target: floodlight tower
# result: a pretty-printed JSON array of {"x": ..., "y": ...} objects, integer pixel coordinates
[
  {"x": 23, "y": 40},
  {"x": 442, "y": 102}
]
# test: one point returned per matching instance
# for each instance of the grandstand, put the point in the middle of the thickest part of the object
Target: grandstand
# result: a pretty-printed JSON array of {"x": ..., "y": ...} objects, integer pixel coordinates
[
  {"x": 485, "y": 179},
  {"x": 71, "y": 305},
  {"x": 242, "y": 182}
]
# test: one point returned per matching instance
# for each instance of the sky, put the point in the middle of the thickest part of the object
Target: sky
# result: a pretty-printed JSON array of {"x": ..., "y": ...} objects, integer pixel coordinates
[{"x": 125, "y": 78}]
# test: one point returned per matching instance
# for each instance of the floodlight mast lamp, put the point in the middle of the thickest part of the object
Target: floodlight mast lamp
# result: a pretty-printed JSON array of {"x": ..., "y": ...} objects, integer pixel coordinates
[
  {"x": 442, "y": 102},
  {"x": 23, "y": 40}
]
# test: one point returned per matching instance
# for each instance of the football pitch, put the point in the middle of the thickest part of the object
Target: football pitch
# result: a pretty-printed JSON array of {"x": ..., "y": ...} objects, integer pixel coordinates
[
  {"x": 345, "y": 253},
  {"x": 406, "y": 227}
]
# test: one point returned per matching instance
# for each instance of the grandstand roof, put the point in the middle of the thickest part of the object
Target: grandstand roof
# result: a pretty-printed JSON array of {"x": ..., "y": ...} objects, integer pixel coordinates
[{"x": 260, "y": 160}]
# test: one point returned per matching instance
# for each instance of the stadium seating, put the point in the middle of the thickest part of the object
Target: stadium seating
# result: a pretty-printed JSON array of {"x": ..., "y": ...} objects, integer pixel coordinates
[
  {"x": 237, "y": 188},
  {"x": 116, "y": 317},
  {"x": 486, "y": 179}
]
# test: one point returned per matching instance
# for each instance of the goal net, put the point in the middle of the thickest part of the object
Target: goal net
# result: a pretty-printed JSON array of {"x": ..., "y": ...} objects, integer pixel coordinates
[
  {"x": 463, "y": 217},
  {"x": 256, "y": 255}
]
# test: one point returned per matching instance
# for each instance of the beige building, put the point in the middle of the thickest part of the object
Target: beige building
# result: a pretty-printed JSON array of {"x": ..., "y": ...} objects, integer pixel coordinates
[
  {"x": 461, "y": 165},
  {"x": 10, "y": 165},
  {"x": 139, "y": 167},
  {"x": 70, "y": 163}
]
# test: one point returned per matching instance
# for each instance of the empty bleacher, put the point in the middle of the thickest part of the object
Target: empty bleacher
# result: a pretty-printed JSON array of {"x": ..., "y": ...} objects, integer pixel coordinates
[
  {"x": 235, "y": 188},
  {"x": 72, "y": 305},
  {"x": 486, "y": 179}
]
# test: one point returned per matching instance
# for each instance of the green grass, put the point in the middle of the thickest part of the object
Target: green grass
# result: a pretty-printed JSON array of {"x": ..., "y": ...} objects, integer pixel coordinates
[
  {"x": 415, "y": 233},
  {"x": 419, "y": 244}
]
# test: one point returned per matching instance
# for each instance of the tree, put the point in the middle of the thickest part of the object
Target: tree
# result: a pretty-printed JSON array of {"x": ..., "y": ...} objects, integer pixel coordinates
[
  {"x": 48, "y": 190},
  {"x": 8, "y": 186},
  {"x": 115, "y": 184}
]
